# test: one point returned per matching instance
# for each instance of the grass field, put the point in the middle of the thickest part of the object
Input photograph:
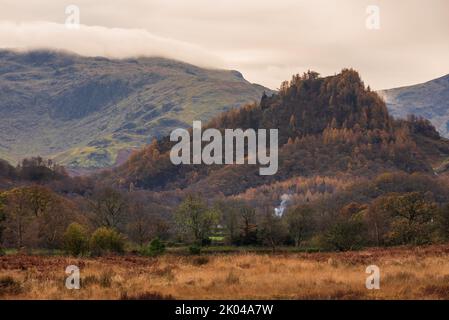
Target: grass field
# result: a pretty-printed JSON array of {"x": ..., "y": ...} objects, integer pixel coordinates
[{"x": 406, "y": 273}]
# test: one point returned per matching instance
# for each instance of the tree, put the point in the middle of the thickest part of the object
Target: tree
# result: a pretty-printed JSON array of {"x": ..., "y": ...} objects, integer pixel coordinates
[
  {"x": 34, "y": 215},
  {"x": 300, "y": 223},
  {"x": 139, "y": 225},
  {"x": 53, "y": 222},
  {"x": 412, "y": 218},
  {"x": 230, "y": 219},
  {"x": 39, "y": 170},
  {"x": 18, "y": 214},
  {"x": 378, "y": 220},
  {"x": 2, "y": 216},
  {"x": 346, "y": 234},
  {"x": 195, "y": 219},
  {"x": 443, "y": 222},
  {"x": 109, "y": 208},
  {"x": 39, "y": 198},
  {"x": 273, "y": 231},
  {"x": 249, "y": 226}
]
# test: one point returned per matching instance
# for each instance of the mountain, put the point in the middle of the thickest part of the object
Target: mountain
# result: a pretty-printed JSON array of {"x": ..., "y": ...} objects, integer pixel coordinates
[
  {"x": 327, "y": 127},
  {"x": 90, "y": 112},
  {"x": 429, "y": 100}
]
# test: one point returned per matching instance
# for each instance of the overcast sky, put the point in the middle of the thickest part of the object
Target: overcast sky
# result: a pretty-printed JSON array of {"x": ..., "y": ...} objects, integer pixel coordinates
[{"x": 267, "y": 41}]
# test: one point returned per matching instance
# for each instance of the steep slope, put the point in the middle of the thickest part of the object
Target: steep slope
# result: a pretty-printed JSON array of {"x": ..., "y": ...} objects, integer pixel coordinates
[
  {"x": 327, "y": 126},
  {"x": 429, "y": 100},
  {"x": 90, "y": 112}
]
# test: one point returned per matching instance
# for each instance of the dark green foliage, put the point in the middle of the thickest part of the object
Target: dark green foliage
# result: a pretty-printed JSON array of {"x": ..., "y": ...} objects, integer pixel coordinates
[
  {"x": 195, "y": 249},
  {"x": 300, "y": 222},
  {"x": 155, "y": 248},
  {"x": 346, "y": 235},
  {"x": 273, "y": 231},
  {"x": 37, "y": 169}
]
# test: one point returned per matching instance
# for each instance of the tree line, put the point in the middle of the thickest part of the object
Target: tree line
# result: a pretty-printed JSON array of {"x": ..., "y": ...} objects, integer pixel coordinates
[{"x": 393, "y": 209}]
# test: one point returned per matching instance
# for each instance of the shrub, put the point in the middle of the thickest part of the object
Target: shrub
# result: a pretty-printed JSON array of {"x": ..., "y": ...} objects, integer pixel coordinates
[
  {"x": 105, "y": 279},
  {"x": 155, "y": 248},
  {"x": 76, "y": 241},
  {"x": 200, "y": 261},
  {"x": 8, "y": 285},
  {"x": 345, "y": 235},
  {"x": 151, "y": 295},
  {"x": 195, "y": 249},
  {"x": 106, "y": 240}
]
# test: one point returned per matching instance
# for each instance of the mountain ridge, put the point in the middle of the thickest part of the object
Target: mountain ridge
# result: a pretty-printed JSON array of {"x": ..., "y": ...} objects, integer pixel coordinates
[
  {"x": 84, "y": 111},
  {"x": 429, "y": 99}
]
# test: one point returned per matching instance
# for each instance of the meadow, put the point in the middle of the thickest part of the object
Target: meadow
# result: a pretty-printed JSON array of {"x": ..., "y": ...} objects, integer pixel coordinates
[{"x": 406, "y": 273}]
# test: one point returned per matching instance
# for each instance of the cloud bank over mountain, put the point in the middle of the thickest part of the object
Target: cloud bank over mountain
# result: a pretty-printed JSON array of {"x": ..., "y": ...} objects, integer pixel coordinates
[
  {"x": 102, "y": 41},
  {"x": 267, "y": 41}
]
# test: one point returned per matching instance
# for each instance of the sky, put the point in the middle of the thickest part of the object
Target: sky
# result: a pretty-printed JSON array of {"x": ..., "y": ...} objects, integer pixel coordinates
[{"x": 392, "y": 43}]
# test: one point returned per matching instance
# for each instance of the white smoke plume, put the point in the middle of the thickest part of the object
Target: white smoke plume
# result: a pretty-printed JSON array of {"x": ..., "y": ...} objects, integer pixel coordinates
[{"x": 279, "y": 211}]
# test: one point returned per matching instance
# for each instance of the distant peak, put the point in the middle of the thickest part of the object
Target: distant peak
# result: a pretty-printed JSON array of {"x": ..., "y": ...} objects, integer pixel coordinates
[{"x": 237, "y": 74}]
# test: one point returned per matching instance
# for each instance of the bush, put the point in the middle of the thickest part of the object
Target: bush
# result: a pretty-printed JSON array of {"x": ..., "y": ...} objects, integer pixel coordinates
[
  {"x": 200, "y": 261},
  {"x": 106, "y": 240},
  {"x": 8, "y": 285},
  {"x": 345, "y": 235},
  {"x": 155, "y": 248},
  {"x": 195, "y": 249},
  {"x": 76, "y": 241},
  {"x": 146, "y": 296}
]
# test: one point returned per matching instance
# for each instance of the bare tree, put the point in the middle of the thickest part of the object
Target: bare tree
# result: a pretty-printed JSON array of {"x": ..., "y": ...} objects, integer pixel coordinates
[{"x": 109, "y": 208}]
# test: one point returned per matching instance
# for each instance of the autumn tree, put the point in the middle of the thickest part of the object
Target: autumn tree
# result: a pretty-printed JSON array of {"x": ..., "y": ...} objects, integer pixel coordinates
[
  {"x": 273, "y": 229},
  {"x": 195, "y": 219},
  {"x": 18, "y": 214},
  {"x": 443, "y": 222},
  {"x": 138, "y": 226},
  {"x": 109, "y": 208},
  {"x": 378, "y": 220},
  {"x": 412, "y": 218},
  {"x": 248, "y": 225},
  {"x": 300, "y": 223},
  {"x": 53, "y": 221},
  {"x": 2, "y": 216},
  {"x": 230, "y": 218}
]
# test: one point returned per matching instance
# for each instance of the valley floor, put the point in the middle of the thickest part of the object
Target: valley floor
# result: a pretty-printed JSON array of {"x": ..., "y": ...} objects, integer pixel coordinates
[{"x": 406, "y": 273}]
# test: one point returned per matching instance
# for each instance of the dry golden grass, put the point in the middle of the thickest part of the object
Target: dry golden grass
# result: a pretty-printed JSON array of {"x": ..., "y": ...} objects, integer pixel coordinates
[{"x": 406, "y": 273}]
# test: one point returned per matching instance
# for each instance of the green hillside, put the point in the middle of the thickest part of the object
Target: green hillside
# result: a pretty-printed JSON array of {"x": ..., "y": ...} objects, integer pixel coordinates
[{"x": 89, "y": 112}]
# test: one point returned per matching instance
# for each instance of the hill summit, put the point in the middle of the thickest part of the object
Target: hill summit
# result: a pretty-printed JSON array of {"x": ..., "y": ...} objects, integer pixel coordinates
[{"x": 327, "y": 126}]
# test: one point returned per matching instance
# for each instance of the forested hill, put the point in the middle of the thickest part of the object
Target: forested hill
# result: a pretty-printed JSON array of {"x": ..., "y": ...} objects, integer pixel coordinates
[{"x": 326, "y": 126}]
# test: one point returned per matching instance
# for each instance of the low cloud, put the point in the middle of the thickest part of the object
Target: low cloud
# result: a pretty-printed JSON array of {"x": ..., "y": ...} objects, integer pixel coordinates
[{"x": 102, "y": 41}]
